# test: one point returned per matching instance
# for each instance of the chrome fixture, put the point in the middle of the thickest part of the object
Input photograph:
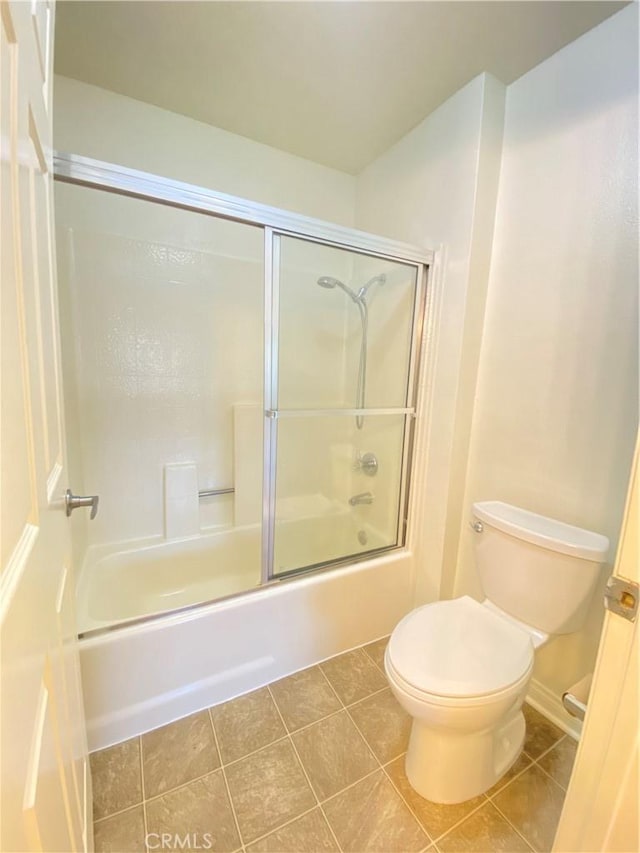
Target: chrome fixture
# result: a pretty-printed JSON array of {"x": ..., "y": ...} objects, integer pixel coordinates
[
  {"x": 360, "y": 298},
  {"x": 367, "y": 463},
  {"x": 328, "y": 282},
  {"x": 276, "y": 414},
  {"x": 576, "y": 707},
  {"x": 209, "y": 493},
  {"x": 362, "y": 498},
  {"x": 476, "y": 526},
  {"x": 72, "y": 502}
]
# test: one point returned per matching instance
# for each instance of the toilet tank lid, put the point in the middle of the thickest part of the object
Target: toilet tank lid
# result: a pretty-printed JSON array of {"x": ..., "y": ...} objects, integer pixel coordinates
[{"x": 543, "y": 531}]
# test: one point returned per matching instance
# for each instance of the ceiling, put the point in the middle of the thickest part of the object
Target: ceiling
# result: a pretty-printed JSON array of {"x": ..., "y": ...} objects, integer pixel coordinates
[{"x": 335, "y": 82}]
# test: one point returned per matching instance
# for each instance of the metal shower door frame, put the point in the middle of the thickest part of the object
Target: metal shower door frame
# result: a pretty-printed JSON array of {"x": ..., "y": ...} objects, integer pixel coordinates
[
  {"x": 275, "y": 223},
  {"x": 273, "y": 414}
]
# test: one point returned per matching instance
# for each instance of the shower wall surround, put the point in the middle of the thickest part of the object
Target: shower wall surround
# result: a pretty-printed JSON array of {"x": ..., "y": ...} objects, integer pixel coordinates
[
  {"x": 157, "y": 355},
  {"x": 163, "y": 345}
]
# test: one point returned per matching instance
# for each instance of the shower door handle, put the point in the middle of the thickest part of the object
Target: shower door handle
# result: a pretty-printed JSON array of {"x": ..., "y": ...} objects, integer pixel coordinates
[{"x": 72, "y": 502}]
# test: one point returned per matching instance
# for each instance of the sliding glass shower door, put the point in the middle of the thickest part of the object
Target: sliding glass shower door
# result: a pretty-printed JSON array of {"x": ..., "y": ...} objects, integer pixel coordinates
[
  {"x": 240, "y": 389},
  {"x": 341, "y": 355}
]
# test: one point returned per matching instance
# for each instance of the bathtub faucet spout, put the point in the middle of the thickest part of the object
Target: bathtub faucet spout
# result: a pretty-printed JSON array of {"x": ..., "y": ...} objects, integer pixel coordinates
[{"x": 362, "y": 498}]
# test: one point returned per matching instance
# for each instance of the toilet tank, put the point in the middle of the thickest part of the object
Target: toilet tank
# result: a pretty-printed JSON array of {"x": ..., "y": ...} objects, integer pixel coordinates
[{"x": 537, "y": 569}]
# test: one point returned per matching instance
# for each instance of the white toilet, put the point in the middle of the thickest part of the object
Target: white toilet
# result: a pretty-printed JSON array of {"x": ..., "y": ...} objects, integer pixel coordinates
[{"x": 461, "y": 668}]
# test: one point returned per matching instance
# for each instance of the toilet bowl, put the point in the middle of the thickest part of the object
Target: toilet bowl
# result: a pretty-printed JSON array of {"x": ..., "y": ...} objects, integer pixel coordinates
[
  {"x": 461, "y": 671},
  {"x": 461, "y": 668}
]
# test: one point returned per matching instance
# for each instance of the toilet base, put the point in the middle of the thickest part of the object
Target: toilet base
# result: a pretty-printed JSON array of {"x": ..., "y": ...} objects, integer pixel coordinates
[{"x": 446, "y": 766}]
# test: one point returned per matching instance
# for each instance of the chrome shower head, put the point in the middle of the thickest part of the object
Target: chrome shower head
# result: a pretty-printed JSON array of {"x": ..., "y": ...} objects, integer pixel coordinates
[{"x": 329, "y": 282}]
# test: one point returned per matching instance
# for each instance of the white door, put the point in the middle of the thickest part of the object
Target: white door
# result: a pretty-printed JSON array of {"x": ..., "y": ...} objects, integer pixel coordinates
[
  {"x": 44, "y": 778},
  {"x": 602, "y": 804}
]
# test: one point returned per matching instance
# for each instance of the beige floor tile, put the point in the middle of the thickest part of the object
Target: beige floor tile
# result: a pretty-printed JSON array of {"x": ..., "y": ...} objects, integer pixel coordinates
[
  {"x": 200, "y": 810},
  {"x": 122, "y": 833},
  {"x": 484, "y": 830},
  {"x": 308, "y": 834},
  {"x": 434, "y": 817},
  {"x": 268, "y": 789},
  {"x": 385, "y": 725},
  {"x": 376, "y": 651},
  {"x": 558, "y": 762},
  {"x": 521, "y": 764},
  {"x": 353, "y": 675},
  {"x": 532, "y": 803},
  {"x": 541, "y": 733},
  {"x": 333, "y": 754},
  {"x": 115, "y": 774},
  {"x": 178, "y": 753},
  {"x": 371, "y": 816},
  {"x": 304, "y": 698},
  {"x": 246, "y": 724}
]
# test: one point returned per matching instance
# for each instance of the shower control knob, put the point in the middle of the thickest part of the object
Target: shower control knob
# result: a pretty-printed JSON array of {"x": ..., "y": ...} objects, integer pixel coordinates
[
  {"x": 367, "y": 463},
  {"x": 72, "y": 502}
]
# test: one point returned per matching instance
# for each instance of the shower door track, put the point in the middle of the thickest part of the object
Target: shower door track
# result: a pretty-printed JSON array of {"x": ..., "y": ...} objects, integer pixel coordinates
[
  {"x": 275, "y": 222},
  {"x": 85, "y": 171}
]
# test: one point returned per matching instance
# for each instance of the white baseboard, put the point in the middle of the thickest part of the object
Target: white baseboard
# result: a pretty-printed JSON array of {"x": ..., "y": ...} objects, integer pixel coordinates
[{"x": 550, "y": 705}]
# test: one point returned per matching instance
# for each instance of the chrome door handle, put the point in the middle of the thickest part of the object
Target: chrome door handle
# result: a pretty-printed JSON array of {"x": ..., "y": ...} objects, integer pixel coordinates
[{"x": 72, "y": 502}]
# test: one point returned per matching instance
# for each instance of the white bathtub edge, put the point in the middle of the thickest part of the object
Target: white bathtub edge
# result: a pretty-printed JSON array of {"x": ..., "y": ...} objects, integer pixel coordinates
[{"x": 226, "y": 649}]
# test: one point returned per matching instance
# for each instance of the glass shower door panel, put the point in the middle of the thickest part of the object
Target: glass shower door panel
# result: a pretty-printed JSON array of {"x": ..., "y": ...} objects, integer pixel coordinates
[
  {"x": 345, "y": 323},
  {"x": 341, "y": 401},
  {"x": 330, "y": 502},
  {"x": 161, "y": 313}
]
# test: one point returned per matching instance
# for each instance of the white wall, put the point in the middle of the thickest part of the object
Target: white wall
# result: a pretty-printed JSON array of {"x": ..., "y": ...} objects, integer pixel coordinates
[
  {"x": 437, "y": 186},
  {"x": 91, "y": 121},
  {"x": 552, "y": 421},
  {"x": 557, "y": 400}
]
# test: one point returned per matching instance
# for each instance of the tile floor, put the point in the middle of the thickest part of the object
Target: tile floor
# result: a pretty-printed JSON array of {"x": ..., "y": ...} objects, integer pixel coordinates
[{"x": 314, "y": 762}]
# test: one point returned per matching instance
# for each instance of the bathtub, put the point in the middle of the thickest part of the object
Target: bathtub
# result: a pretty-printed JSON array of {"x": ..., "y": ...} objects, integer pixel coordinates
[
  {"x": 133, "y": 582},
  {"x": 127, "y": 582},
  {"x": 139, "y": 674}
]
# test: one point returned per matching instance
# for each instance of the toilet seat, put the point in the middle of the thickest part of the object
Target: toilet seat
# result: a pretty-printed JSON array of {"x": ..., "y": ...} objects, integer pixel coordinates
[
  {"x": 459, "y": 702},
  {"x": 454, "y": 652}
]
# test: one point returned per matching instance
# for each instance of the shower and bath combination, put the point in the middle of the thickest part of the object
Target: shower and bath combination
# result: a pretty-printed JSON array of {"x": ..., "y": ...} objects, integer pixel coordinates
[
  {"x": 360, "y": 299},
  {"x": 164, "y": 553}
]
